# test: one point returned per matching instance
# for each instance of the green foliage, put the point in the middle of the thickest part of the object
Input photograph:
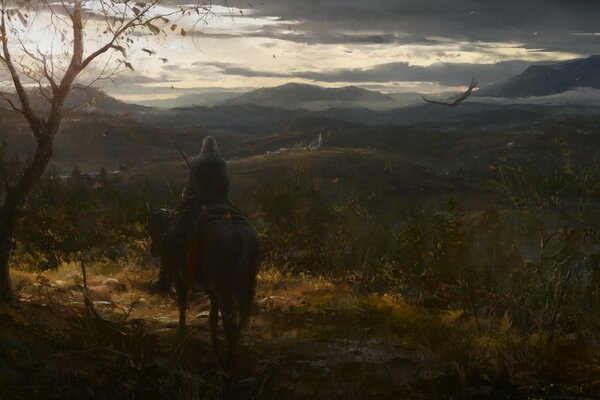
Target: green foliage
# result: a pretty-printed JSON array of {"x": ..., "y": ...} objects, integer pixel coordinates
[
  {"x": 81, "y": 216},
  {"x": 526, "y": 265}
]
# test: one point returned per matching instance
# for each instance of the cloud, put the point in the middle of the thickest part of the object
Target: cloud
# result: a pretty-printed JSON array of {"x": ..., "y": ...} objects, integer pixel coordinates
[
  {"x": 386, "y": 44},
  {"x": 233, "y": 69},
  {"x": 540, "y": 24},
  {"x": 442, "y": 73}
]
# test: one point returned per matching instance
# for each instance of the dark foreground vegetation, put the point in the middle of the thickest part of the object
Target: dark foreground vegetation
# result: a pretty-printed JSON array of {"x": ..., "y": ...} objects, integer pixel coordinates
[{"x": 477, "y": 278}]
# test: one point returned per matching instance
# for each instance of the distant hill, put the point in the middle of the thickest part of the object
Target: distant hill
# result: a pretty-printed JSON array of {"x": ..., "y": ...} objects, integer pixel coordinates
[
  {"x": 209, "y": 99},
  {"x": 311, "y": 97},
  {"x": 543, "y": 80},
  {"x": 95, "y": 100},
  {"x": 251, "y": 119},
  {"x": 404, "y": 99},
  {"x": 81, "y": 98}
]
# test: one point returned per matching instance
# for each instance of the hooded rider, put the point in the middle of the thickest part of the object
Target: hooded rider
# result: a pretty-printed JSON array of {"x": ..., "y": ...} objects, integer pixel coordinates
[{"x": 208, "y": 184}]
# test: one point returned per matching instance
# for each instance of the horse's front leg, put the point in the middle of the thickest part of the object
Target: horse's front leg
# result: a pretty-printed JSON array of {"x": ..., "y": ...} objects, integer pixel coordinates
[{"x": 182, "y": 297}]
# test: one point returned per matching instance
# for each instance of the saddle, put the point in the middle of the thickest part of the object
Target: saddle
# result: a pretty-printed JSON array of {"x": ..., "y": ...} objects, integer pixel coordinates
[
  {"x": 203, "y": 218},
  {"x": 211, "y": 214}
]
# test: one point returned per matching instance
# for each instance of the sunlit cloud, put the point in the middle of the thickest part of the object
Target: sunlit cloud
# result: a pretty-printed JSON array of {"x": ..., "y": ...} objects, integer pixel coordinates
[{"x": 242, "y": 47}]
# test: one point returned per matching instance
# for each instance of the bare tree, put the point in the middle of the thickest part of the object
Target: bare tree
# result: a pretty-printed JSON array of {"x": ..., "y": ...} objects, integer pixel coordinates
[{"x": 49, "y": 72}]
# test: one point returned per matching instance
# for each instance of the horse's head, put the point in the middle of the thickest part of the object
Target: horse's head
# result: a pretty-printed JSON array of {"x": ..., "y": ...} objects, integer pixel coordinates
[{"x": 159, "y": 221}]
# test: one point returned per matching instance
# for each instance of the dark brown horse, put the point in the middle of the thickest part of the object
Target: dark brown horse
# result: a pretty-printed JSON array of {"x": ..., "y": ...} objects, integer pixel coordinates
[{"x": 223, "y": 257}]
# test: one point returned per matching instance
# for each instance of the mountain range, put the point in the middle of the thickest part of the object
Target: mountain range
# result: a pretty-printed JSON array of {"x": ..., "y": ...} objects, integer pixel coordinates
[
  {"x": 539, "y": 80},
  {"x": 506, "y": 104},
  {"x": 544, "y": 80},
  {"x": 106, "y": 130},
  {"x": 311, "y": 97}
]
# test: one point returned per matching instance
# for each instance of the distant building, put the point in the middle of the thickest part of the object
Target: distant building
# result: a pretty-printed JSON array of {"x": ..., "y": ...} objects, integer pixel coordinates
[{"x": 316, "y": 144}]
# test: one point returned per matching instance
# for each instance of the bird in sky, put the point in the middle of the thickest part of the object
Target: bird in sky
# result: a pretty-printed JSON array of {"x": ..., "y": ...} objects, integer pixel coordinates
[
  {"x": 453, "y": 102},
  {"x": 128, "y": 65}
]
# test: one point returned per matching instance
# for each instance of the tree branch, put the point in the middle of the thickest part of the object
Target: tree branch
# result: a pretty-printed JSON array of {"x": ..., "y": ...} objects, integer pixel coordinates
[
  {"x": 73, "y": 70},
  {"x": 132, "y": 23},
  {"x": 34, "y": 121},
  {"x": 47, "y": 73},
  {"x": 10, "y": 103}
]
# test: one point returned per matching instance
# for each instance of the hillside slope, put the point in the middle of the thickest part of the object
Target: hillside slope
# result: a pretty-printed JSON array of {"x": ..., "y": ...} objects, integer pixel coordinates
[{"x": 543, "y": 80}]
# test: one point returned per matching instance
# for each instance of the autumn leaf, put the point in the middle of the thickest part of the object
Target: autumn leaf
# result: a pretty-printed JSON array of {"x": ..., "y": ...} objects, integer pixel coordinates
[
  {"x": 119, "y": 48},
  {"x": 183, "y": 32},
  {"x": 22, "y": 17},
  {"x": 150, "y": 52},
  {"x": 153, "y": 28},
  {"x": 173, "y": 27}
]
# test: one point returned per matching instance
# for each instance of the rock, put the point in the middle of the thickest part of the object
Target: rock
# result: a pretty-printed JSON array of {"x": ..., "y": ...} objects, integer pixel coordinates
[{"x": 25, "y": 297}]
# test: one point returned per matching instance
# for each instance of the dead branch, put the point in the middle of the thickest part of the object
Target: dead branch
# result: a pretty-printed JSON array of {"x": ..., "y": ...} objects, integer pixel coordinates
[
  {"x": 473, "y": 310},
  {"x": 10, "y": 103},
  {"x": 89, "y": 304},
  {"x": 132, "y": 303},
  {"x": 557, "y": 306}
]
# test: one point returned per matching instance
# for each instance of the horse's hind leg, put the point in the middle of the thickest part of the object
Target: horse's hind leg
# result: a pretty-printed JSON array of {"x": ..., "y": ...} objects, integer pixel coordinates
[
  {"x": 213, "y": 320},
  {"x": 230, "y": 326},
  {"x": 182, "y": 297}
]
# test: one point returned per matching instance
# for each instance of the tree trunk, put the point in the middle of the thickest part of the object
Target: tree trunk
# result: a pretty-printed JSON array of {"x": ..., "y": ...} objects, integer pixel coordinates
[{"x": 16, "y": 196}]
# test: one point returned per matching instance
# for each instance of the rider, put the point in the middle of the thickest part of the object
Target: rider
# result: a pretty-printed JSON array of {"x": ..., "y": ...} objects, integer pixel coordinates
[{"x": 208, "y": 184}]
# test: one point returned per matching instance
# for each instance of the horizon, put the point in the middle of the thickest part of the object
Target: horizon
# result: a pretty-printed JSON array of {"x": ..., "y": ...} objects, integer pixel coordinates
[{"x": 389, "y": 46}]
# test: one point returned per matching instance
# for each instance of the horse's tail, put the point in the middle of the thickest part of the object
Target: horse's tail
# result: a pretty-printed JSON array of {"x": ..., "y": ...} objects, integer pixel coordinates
[{"x": 246, "y": 279}]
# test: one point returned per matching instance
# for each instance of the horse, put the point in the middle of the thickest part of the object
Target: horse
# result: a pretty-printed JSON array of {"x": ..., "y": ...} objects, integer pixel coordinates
[{"x": 226, "y": 253}]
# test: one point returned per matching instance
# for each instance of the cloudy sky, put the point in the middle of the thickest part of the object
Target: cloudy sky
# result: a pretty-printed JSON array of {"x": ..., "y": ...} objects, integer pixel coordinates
[{"x": 387, "y": 45}]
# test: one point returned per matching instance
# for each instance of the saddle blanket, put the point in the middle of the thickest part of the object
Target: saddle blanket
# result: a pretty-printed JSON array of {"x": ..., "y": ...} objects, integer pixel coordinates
[{"x": 202, "y": 219}]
